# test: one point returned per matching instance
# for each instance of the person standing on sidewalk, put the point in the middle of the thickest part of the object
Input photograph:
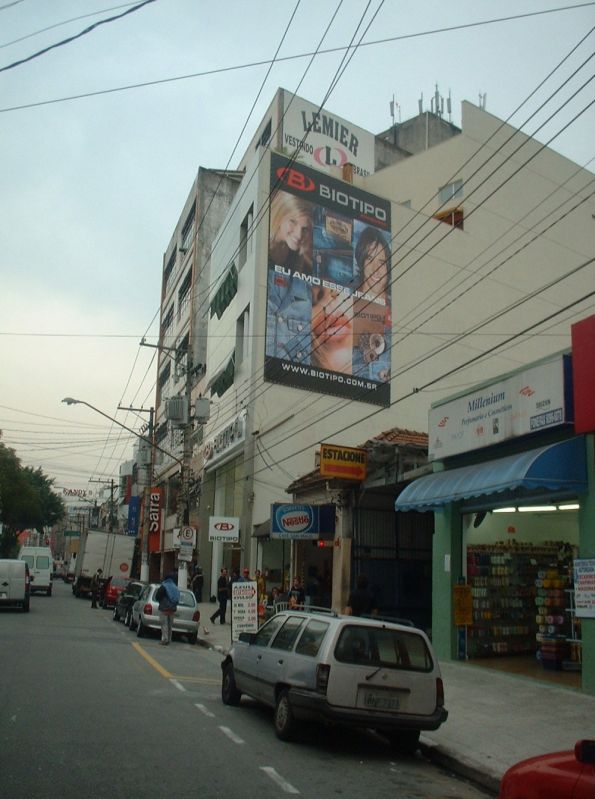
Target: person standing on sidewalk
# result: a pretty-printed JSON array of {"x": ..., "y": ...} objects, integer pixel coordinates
[
  {"x": 95, "y": 587},
  {"x": 222, "y": 597},
  {"x": 168, "y": 596}
]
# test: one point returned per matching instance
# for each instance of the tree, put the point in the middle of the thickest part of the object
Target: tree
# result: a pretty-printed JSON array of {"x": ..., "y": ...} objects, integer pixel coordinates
[{"x": 26, "y": 500}]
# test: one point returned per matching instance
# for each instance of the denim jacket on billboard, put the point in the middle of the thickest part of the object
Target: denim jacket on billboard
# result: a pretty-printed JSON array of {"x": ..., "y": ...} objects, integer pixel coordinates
[{"x": 289, "y": 318}]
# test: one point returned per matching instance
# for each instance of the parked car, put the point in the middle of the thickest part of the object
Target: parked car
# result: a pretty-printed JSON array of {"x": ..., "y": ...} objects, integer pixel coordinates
[
  {"x": 112, "y": 589},
  {"x": 126, "y": 599},
  {"x": 560, "y": 775},
  {"x": 362, "y": 672},
  {"x": 15, "y": 583},
  {"x": 145, "y": 614}
]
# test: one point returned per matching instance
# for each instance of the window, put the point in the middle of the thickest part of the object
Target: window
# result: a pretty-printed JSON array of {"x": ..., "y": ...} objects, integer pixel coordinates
[
  {"x": 454, "y": 217},
  {"x": 168, "y": 321},
  {"x": 246, "y": 237},
  {"x": 382, "y": 647},
  {"x": 452, "y": 191},
  {"x": 312, "y": 638},
  {"x": 225, "y": 293},
  {"x": 164, "y": 376},
  {"x": 184, "y": 294},
  {"x": 186, "y": 237},
  {"x": 167, "y": 272},
  {"x": 286, "y": 636},
  {"x": 43, "y": 562},
  {"x": 264, "y": 635},
  {"x": 266, "y": 135},
  {"x": 242, "y": 340}
]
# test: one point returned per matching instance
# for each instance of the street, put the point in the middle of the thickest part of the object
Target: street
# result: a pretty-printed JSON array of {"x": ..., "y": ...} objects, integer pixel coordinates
[{"x": 88, "y": 709}]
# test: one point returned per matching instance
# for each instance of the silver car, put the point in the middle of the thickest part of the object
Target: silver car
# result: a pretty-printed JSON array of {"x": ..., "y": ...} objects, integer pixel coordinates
[
  {"x": 145, "y": 614},
  {"x": 363, "y": 672}
]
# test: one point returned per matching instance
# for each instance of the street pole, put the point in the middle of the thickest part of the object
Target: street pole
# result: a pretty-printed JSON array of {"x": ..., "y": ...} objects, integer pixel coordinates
[{"x": 144, "y": 567}]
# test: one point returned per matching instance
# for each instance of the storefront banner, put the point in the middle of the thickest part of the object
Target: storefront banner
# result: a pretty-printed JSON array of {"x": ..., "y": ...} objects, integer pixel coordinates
[
  {"x": 347, "y": 463},
  {"x": 133, "y": 515},
  {"x": 583, "y": 374},
  {"x": 535, "y": 399},
  {"x": 328, "y": 325},
  {"x": 224, "y": 528},
  {"x": 155, "y": 519},
  {"x": 584, "y": 588},
  {"x": 330, "y": 141},
  {"x": 294, "y": 521}
]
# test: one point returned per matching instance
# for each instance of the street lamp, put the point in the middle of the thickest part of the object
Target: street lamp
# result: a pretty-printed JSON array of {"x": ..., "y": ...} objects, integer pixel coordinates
[{"x": 149, "y": 440}]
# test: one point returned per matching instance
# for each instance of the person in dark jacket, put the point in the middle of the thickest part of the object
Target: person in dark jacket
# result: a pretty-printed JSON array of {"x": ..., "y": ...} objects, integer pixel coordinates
[
  {"x": 222, "y": 597},
  {"x": 95, "y": 587},
  {"x": 361, "y": 602},
  {"x": 168, "y": 596}
]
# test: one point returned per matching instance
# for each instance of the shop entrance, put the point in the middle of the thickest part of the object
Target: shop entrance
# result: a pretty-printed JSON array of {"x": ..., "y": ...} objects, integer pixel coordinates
[{"x": 518, "y": 562}]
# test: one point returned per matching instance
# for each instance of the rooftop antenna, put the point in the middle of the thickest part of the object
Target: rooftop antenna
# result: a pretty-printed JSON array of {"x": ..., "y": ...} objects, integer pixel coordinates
[
  {"x": 420, "y": 104},
  {"x": 482, "y": 100},
  {"x": 449, "y": 107}
]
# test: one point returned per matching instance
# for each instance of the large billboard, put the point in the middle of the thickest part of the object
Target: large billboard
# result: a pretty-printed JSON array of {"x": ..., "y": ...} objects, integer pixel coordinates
[{"x": 328, "y": 286}]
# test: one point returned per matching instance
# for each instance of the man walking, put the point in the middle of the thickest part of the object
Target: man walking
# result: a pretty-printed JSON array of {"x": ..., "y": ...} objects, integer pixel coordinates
[
  {"x": 222, "y": 597},
  {"x": 168, "y": 596}
]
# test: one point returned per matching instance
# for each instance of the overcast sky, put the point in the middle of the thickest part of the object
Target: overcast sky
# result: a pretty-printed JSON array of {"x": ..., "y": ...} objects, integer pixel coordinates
[{"x": 91, "y": 188}]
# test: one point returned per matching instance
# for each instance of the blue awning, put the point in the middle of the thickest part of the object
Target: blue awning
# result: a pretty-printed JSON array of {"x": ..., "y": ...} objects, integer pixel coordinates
[{"x": 558, "y": 467}]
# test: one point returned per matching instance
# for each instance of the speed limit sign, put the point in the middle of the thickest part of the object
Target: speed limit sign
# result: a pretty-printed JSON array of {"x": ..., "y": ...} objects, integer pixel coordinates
[{"x": 187, "y": 535}]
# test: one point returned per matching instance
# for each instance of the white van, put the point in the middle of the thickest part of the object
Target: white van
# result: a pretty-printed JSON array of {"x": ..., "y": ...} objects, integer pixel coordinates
[
  {"x": 41, "y": 567},
  {"x": 15, "y": 585}
]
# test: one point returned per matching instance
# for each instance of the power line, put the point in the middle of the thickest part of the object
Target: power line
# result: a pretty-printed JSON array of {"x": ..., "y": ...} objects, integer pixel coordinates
[
  {"x": 76, "y": 36},
  {"x": 264, "y": 62}
]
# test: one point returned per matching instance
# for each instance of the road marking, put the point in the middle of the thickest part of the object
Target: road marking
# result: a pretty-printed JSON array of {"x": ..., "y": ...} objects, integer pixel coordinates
[
  {"x": 152, "y": 662},
  {"x": 204, "y": 710},
  {"x": 231, "y": 735},
  {"x": 277, "y": 778},
  {"x": 177, "y": 684}
]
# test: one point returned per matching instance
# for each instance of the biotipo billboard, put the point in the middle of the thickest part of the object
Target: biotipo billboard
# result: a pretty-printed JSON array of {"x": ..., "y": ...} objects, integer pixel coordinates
[{"x": 328, "y": 286}]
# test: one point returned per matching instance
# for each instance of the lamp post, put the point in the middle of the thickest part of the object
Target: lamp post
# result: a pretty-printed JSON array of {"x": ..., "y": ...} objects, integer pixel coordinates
[{"x": 144, "y": 575}]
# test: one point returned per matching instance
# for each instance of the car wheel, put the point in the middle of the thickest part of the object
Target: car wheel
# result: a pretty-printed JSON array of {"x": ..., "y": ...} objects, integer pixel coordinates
[
  {"x": 141, "y": 630},
  {"x": 193, "y": 638},
  {"x": 115, "y": 615},
  {"x": 229, "y": 691},
  {"x": 285, "y": 722},
  {"x": 404, "y": 740}
]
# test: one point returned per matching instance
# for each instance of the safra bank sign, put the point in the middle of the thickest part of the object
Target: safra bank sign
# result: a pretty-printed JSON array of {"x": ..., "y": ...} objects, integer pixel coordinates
[{"x": 331, "y": 140}]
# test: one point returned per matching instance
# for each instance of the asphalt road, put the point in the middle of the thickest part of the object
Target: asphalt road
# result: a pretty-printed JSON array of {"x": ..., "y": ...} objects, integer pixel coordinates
[{"x": 89, "y": 710}]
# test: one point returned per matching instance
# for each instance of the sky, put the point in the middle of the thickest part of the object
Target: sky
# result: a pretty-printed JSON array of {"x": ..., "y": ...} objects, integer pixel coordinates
[{"x": 95, "y": 167}]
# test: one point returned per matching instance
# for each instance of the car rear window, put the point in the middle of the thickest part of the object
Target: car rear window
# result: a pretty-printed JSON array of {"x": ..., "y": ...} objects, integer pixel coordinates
[
  {"x": 29, "y": 560},
  {"x": 118, "y": 582},
  {"x": 286, "y": 636},
  {"x": 187, "y": 599},
  {"x": 383, "y": 647},
  {"x": 43, "y": 562},
  {"x": 312, "y": 638}
]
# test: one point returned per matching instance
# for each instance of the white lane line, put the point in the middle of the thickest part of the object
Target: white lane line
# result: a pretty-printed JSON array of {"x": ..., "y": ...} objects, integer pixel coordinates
[
  {"x": 204, "y": 710},
  {"x": 277, "y": 778},
  {"x": 178, "y": 685},
  {"x": 231, "y": 735}
]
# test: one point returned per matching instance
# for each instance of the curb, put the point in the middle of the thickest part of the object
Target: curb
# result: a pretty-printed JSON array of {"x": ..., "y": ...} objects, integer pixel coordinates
[{"x": 470, "y": 771}]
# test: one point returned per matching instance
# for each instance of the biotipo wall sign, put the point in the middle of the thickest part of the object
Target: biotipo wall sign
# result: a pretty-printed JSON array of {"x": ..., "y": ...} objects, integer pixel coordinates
[
  {"x": 532, "y": 400},
  {"x": 328, "y": 286},
  {"x": 330, "y": 141}
]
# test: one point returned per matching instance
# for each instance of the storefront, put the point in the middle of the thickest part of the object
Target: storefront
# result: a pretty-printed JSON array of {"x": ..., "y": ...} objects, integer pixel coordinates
[{"x": 513, "y": 500}]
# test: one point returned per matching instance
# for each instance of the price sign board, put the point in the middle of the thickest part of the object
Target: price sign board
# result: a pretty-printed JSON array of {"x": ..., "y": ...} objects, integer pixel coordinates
[
  {"x": 584, "y": 588},
  {"x": 244, "y": 607}
]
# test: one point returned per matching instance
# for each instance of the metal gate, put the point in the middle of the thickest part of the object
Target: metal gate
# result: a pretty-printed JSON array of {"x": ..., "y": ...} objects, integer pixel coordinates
[{"x": 394, "y": 550}]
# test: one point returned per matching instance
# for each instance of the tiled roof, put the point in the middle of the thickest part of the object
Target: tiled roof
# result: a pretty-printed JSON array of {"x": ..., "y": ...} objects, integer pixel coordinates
[{"x": 396, "y": 436}]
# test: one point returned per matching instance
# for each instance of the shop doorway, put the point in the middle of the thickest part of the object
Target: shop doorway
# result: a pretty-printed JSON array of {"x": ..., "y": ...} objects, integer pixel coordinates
[{"x": 518, "y": 563}]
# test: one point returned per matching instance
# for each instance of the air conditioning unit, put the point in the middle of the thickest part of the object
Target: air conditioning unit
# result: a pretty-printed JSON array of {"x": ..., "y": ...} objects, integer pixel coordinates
[
  {"x": 176, "y": 410},
  {"x": 202, "y": 410}
]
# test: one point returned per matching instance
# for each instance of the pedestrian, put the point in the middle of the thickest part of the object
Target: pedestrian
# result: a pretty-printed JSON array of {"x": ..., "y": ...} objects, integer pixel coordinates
[
  {"x": 168, "y": 596},
  {"x": 95, "y": 587},
  {"x": 197, "y": 583},
  {"x": 261, "y": 585},
  {"x": 222, "y": 597},
  {"x": 361, "y": 602},
  {"x": 245, "y": 578},
  {"x": 297, "y": 595}
]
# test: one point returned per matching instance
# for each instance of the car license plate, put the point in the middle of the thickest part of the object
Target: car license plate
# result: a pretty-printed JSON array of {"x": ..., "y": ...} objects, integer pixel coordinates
[{"x": 380, "y": 700}]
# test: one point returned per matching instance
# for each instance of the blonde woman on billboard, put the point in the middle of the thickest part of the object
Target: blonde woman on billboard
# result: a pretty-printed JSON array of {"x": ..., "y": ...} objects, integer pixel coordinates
[
  {"x": 290, "y": 240},
  {"x": 372, "y": 256},
  {"x": 332, "y": 331}
]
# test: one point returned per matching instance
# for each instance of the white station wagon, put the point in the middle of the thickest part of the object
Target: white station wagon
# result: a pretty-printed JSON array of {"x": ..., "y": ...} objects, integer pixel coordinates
[{"x": 362, "y": 672}]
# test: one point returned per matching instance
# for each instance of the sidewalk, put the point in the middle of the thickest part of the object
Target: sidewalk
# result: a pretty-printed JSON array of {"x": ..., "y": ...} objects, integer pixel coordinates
[{"x": 494, "y": 719}]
